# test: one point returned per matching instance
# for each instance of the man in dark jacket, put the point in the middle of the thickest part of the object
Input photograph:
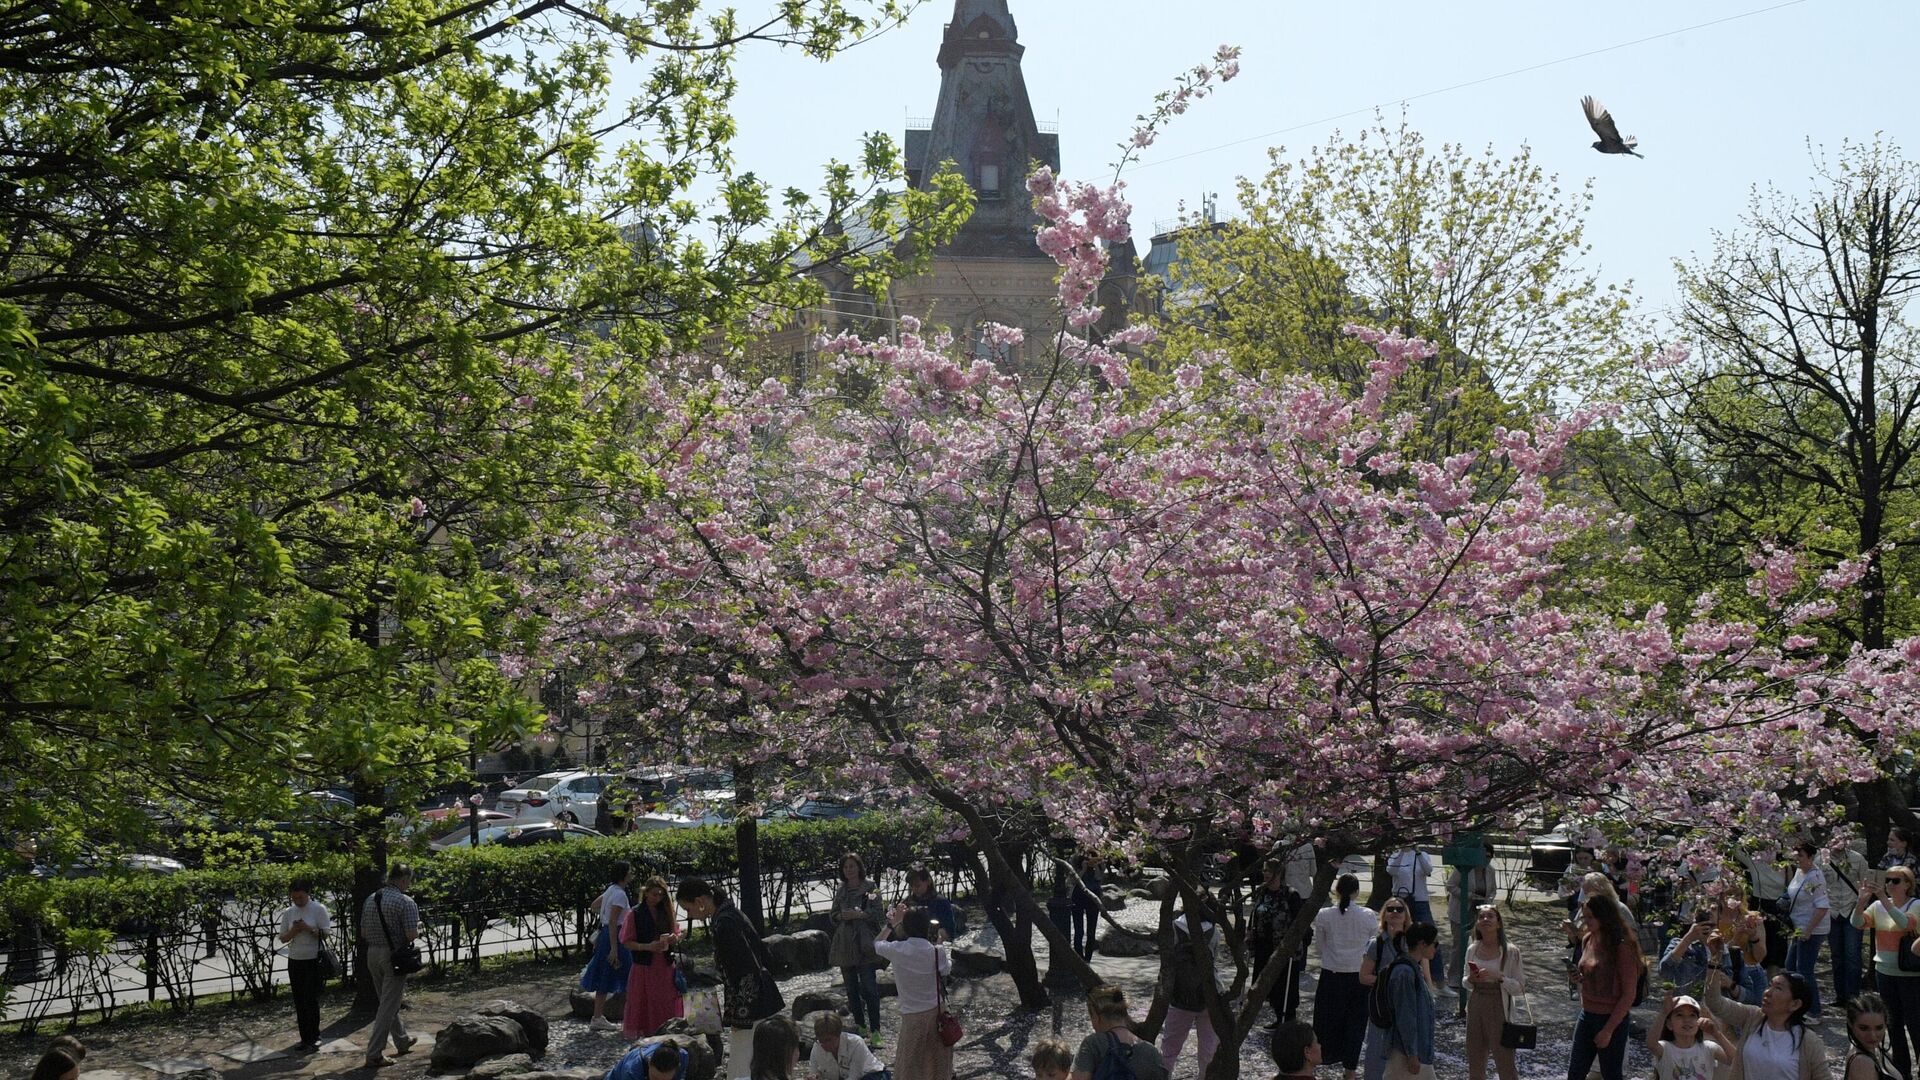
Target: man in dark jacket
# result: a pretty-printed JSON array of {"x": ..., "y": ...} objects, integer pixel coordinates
[{"x": 751, "y": 993}]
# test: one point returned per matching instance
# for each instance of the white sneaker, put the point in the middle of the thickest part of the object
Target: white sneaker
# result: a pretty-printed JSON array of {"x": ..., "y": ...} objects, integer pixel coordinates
[{"x": 601, "y": 1023}]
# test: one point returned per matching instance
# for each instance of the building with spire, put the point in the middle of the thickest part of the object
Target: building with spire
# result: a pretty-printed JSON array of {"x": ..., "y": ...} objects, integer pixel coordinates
[{"x": 983, "y": 125}]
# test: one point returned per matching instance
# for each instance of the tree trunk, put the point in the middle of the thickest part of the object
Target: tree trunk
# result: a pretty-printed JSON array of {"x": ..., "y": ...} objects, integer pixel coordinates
[
  {"x": 369, "y": 839},
  {"x": 1014, "y": 926},
  {"x": 746, "y": 841}
]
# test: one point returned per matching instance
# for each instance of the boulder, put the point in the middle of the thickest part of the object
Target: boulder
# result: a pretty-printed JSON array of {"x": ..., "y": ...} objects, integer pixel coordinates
[
  {"x": 557, "y": 1074},
  {"x": 977, "y": 963},
  {"x": 1113, "y": 898},
  {"x": 886, "y": 984},
  {"x": 200, "y": 1074},
  {"x": 703, "y": 1061},
  {"x": 529, "y": 1019},
  {"x": 1115, "y": 944},
  {"x": 808, "y": 1001},
  {"x": 501, "y": 1066},
  {"x": 821, "y": 921},
  {"x": 470, "y": 1039},
  {"x": 804, "y": 1021},
  {"x": 1139, "y": 894},
  {"x": 799, "y": 953},
  {"x": 581, "y": 1003},
  {"x": 1159, "y": 888}
]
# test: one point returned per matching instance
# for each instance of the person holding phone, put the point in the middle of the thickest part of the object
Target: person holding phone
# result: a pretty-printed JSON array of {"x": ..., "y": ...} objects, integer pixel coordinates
[
  {"x": 1494, "y": 976},
  {"x": 1889, "y": 913}
]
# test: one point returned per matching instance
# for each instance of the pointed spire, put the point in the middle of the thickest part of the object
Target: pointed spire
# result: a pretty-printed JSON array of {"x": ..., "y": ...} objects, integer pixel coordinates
[{"x": 966, "y": 11}]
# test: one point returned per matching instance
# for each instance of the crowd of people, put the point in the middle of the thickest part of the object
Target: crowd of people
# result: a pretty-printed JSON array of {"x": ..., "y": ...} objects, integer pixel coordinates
[{"x": 1741, "y": 957}]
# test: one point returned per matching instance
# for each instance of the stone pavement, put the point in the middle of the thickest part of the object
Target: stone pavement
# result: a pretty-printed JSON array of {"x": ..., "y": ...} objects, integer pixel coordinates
[{"x": 251, "y": 1041}]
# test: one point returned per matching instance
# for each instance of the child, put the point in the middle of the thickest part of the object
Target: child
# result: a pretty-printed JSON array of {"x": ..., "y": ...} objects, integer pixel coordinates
[
  {"x": 1296, "y": 1051},
  {"x": 840, "y": 1055},
  {"x": 1052, "y": 1060},
  {"x": 1682, "y": 1041}
]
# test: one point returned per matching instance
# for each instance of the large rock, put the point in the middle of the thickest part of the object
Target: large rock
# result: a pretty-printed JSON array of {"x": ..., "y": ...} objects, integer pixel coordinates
[
  {"x": 1159, "y": 887},
  {"x": 977, "y": 963},
  {"x": 529, "y": 1019},
  {"x": 501, "y": 1066},
  {"x": 1116, "y": 944},
  {"x": 580, "y": 1003},
  {"x": 811, "y": 1001},
  {"x": 703, "y": 1061},
  {"x": 821, "y": 921},
  {"x": 799, "y": 953},
  {"x": 470, "y": 1039},
  {"x": 558, "y": 1074},
  {"x": 886, "y": 984},
  {"x": 678, "y": 1028},
  {"x": 1113, "y": 898}
]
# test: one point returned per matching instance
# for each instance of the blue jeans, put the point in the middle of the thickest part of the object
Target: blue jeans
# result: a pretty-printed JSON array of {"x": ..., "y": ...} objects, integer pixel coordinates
[
  {"x": 1612, "y": 1060},
  {"x": 1373, "y": 1059},
  {"x": 1423, "y": 913},
  {"x": 1844, "y": 939},
  {"x": 1800, "y": 957},
  {"x": 863, "y": 989}
]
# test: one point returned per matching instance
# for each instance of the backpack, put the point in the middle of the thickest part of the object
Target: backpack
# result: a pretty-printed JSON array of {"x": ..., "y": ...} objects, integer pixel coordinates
[
  {"x": 1380, "y": 999},
  {"x": 1116, "y": 1063},
  {"x": 1188, "y": 989}
]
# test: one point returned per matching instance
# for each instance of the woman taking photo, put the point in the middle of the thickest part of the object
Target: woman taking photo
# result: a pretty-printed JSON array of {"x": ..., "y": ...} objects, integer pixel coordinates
[
  {"x": 1890, "y": 915},
  {"x": 1494, "y": 976},
  {"x": 1339, "y": 1001},
  {"x": 606, "y": 970},
  {"x": 1608, "y": 973},
  {"x": 918, "y": 966},
  {"x": 1771, "y": 1039},
  {"x": 1381, "y": 951},
  {"x": 856, "y": 920},
  {"x": 650, "y": 933}
]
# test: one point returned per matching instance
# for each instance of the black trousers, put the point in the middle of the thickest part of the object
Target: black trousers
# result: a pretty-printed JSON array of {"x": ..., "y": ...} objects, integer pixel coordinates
[
  {"x": 303, "y": 976},
  {"x": 1340, "y": 1017},
  {"x": 1285, "y": 995},
  {"x": 1086, "y": 927}
]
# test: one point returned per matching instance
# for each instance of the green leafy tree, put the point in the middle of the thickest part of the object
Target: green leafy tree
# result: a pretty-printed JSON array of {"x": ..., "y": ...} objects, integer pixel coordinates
[
  {"x": 1482, "y": 254},
  {"x": 317, "y": 322}
]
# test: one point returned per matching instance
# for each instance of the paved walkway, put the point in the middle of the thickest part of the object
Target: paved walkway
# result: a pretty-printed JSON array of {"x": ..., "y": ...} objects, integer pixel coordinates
[{"x": 250, "y": 1041}]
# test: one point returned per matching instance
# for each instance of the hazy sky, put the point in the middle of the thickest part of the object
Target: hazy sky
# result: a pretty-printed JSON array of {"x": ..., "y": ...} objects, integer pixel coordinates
[{"x": 1717, "y": 109}]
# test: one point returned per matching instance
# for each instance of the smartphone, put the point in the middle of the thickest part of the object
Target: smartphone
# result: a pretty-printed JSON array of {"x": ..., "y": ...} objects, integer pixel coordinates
[{"x": 1878, "y": 879}]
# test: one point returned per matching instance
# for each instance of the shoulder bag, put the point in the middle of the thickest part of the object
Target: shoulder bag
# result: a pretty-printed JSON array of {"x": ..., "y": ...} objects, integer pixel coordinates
[
  {"x": 406, "y": 955},
  {"x": 329, "y": 961},
  {"x": 947, "y": 1024},
  {"x": 1517, "y": 1034}
]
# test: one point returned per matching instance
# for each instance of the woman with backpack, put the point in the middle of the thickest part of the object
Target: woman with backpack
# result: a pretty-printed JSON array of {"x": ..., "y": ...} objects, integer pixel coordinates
[
  {"x": 1381, "y": 952},
  {"x": 1339, "y": 1001},
  {"x": 1609, "y": 977},
  {"x": 1892, "y": 914},
  {"x": 1494, "y": 976},
  {"x": 1113, "y": 1050}
]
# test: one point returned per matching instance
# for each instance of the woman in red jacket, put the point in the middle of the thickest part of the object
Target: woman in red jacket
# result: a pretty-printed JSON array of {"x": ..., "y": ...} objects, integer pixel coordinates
[{"x": 1609, "y": 973}]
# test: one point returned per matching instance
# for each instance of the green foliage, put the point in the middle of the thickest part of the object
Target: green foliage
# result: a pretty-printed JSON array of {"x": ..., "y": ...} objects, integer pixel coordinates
[
  {"x": 1480, "y": 254},
  {"x": 316, "y": 325}
]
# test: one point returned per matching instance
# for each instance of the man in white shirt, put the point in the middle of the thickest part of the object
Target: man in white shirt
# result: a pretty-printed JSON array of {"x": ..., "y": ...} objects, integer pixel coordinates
[
  {"x": 1410, "y": 870},
  {"x": 838, "y": 1055},
  {"x": 1844, "y": 874},
  {"x": 304, "y": 926}
]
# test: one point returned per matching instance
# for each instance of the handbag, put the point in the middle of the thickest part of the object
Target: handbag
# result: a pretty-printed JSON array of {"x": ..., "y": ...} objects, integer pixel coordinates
[
  {"x": 679, "y": 973},
  {"x": 406, "y": 956},
  {"x": 947, "y": 1023},
  {"x": 329, "y": 961},
  {"x": 1517, "y": 1034},
  {"x": 703, "y": 1012}
]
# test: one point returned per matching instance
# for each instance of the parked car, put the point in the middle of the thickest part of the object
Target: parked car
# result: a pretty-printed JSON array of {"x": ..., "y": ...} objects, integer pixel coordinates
[
  {"x": 820, "y": 806},
  {"x": 449, "y": 825},
  {"x": 689, "y": 811},
  {"x": 104, "y": 865},
  {"x": 654, "y": 786},
  {"x": 515, "y": 835},
  {"x": 556, "y": 796}
]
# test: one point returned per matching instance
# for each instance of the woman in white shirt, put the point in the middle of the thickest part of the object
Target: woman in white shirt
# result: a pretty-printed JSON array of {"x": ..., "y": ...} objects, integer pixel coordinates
[
  {"x": 838, "y": 1055},
  {"x": 918, "y": 966},
  {"x": 1339, "y": 1001},
  {"x": 606, "y": 970},
  {"x": 304, "y": 926},
  {"x": 1494, "y": 977}
]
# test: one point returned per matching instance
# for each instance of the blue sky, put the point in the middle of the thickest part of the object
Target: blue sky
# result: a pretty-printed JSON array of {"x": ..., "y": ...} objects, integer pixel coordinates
[{"x": 1717, "y": 109}]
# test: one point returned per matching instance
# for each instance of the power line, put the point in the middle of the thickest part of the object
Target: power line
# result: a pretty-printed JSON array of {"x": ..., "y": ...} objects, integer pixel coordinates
[{"x": 1474, "y": 82}]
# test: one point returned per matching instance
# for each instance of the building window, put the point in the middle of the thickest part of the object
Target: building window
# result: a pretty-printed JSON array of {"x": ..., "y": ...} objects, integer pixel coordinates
[{"x": 989, "y": 181}]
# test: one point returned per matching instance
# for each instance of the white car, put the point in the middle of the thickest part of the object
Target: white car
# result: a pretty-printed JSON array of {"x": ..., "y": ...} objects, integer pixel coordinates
[
  {"x": 571, "y": 797},
  {"x": 689, "y": 811}
]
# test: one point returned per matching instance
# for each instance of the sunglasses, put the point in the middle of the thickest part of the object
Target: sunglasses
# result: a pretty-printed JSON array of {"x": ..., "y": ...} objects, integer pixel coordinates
[{"x": 1393, "y": 911}]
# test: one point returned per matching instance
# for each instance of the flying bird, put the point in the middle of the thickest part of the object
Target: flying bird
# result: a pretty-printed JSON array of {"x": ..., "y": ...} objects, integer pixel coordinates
[{"x": 1603, "y": 126}]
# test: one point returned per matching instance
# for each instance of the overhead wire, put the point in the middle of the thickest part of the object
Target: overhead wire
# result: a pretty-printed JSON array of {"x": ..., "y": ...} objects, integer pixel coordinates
[{"x": 1469, "y": 83}]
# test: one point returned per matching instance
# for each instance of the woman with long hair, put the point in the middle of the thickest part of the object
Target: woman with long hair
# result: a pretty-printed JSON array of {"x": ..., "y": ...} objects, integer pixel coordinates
[
  {"x": 1381, "y": 951},
  {"x": 856, "y": 921},
  {"x": 1339, "y": 1001},
  {"x": 1772, "y": 1039},
  {"x": 1494, "y": 976},
  {"x": 1867, "y": 1040},
  {"x": 776, "y": 1050},
  {"x": 918, "y": 966},
  {"x": 1890, "y": 913},
  {"x": 608, "y": 968},
  {"x": 1609, "y": 974},
  {"x": 649, "y": 935}
]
